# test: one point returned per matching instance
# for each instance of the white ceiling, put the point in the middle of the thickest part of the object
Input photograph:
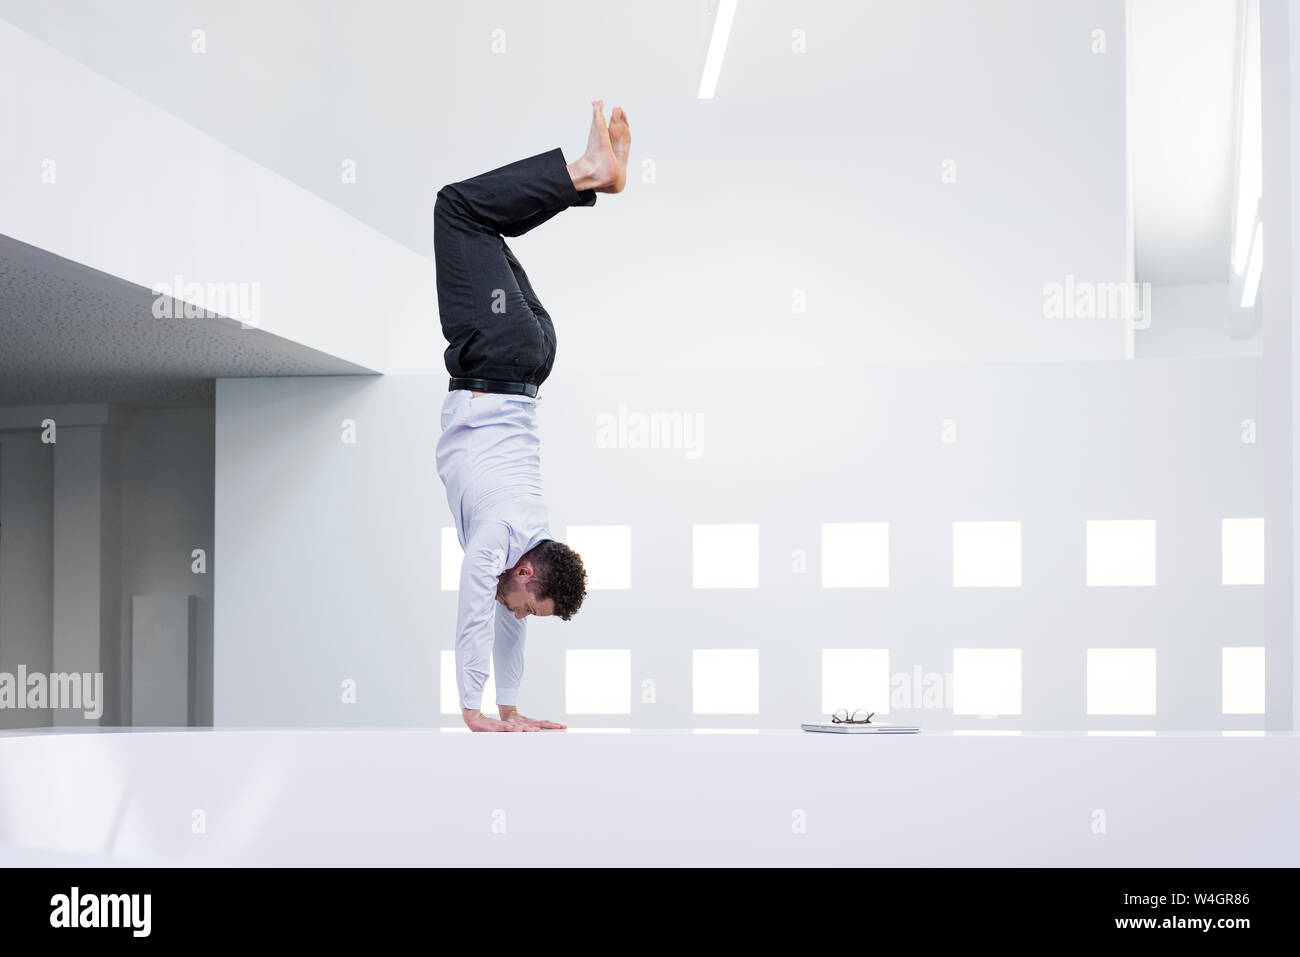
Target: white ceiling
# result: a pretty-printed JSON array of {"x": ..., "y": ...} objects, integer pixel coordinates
[
  {"x": 411, "y": 90},
  {"x": 408, "y": 89},
  {"x": 71, "y": 334},
  {"x": 816, "y": 172},
  {"x": 1181, "y": 114}
]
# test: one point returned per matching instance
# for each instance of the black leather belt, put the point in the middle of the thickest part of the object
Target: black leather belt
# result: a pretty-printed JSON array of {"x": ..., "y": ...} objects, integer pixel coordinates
[{"x": 493, "y": 385}]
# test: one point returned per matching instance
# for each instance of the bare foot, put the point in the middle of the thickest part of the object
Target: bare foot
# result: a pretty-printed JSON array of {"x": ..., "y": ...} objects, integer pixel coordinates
[
  {"x": 603, "y": 167},
  {"x": 620, "y": 138}
]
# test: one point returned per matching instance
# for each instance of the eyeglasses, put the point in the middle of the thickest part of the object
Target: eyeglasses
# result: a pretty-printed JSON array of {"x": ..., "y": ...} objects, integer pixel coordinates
[{"x": 861, "y": 716}]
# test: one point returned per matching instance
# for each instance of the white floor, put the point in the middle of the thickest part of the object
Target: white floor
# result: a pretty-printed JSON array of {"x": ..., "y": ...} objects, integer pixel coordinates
[{"x": 431, "y": 797}]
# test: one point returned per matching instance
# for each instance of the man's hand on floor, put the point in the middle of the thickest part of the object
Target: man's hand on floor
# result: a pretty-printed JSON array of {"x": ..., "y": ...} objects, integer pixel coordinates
[
  {"x": 477, "y": 721},
  {"x": 511, "y": 716}
]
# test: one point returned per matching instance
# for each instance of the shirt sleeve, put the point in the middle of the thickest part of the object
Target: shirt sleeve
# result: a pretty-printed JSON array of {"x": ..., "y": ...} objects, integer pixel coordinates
[
  {"x": 485, "y": 557},
  {"x": 508, "y": 655}
]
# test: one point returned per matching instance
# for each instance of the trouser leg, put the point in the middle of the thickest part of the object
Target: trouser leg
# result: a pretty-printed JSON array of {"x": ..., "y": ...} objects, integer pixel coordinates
[
  {"x": 512, "y": 199},
  {"x": 494, "y": 323}
]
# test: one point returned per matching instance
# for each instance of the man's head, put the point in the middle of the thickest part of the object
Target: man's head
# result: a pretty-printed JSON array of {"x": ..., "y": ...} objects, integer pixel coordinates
[{"x": 548, "y": 580}]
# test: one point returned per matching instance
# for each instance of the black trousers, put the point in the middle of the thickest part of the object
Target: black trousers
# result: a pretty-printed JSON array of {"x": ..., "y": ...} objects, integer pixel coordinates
[{"x": 495, "y": 326}]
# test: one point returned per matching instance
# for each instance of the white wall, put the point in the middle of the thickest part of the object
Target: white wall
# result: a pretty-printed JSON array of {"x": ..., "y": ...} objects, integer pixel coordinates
[
  {"x": 1191, "y": 321},
  {"x": 924, "y": 306},
  {"x": 94, "y": 173},
  {"x": 326, "y": 554},
  {"x": 1293, "y": 119},
  {"x": 328, "y": 561}
]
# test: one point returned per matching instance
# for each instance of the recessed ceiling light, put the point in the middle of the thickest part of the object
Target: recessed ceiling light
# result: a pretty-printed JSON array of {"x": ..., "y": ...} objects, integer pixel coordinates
[{"x": 717, "y": 48}]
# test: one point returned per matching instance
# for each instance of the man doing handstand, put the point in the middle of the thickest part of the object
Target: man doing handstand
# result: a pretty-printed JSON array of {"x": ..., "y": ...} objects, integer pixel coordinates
[{"x": 501, "y": 345}]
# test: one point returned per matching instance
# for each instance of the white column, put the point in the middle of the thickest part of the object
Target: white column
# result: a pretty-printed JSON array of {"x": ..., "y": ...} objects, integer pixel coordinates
[
  {"x": 26, "y": 509},
  {"x": 87, "y": 563}
]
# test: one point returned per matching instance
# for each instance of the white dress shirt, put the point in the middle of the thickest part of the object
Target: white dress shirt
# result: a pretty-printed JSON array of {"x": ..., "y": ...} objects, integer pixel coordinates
[{"x": 489, "y": 459}]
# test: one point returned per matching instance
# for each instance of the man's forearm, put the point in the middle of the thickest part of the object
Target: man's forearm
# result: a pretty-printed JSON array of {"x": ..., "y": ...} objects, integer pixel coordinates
[{"x": 475, "y": 615}]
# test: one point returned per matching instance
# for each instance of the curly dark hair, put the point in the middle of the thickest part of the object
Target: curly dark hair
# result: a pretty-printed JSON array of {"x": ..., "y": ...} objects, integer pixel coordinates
[{"x": 560, "y": 576}]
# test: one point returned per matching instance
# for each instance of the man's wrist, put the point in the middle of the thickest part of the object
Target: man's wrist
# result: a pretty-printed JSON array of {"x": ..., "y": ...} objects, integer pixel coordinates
[{"x": 506, "y": 710}]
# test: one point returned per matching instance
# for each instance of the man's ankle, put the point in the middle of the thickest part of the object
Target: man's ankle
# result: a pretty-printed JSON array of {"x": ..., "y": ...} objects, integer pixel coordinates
[{"x": 582, "y": 172}]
